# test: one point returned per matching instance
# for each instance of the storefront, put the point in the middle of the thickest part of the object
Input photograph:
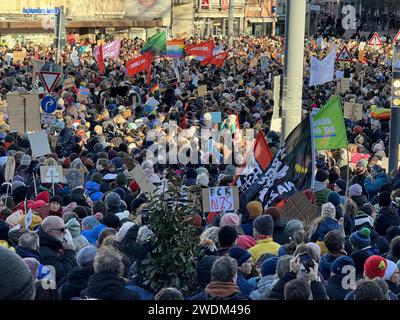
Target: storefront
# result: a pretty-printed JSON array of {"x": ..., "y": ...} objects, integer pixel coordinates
[{"x": 260, "y": 27}]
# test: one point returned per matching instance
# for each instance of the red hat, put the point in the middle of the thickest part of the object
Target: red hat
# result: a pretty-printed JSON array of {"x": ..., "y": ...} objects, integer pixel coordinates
[
  {"x": 357, "y": 129},
  {"x": 375, "y": 267},
  {"x": 44, "y": 195},
  {"x": 246, "y": 242},
  {"x": 134, "y": 186},
  {"x": 310, "y": 196}
]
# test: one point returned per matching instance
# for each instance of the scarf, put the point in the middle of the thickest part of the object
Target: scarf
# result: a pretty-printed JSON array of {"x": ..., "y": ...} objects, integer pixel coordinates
[
  {"x": 221, "y": 289},
  {"x": 319, "y": 186}
]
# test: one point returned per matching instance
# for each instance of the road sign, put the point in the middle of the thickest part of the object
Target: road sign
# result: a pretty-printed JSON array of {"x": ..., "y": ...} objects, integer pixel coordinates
[
  {"x": 51, "y": 76},
  {"x": 48, "y": 104},
  {"x": 375, "y": 41},
  {"x": 344, "y": 55},
  {"x": 396, "y": 38}
]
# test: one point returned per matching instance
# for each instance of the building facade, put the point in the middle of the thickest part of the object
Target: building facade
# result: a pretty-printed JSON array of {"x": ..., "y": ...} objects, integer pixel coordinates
[{"x": 260, "y": 17}]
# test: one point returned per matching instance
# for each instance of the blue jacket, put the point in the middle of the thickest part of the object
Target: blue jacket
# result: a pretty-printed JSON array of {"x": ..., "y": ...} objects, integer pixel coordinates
[
  {"x": 334, "y": 288},
  {"x": 326, "y": 225},
  {"x": 93, "y": 191},
  {"x": 325, "y": 263},
  {"x": 244, "y": 286},
  {"x": 372, "y": 186}
]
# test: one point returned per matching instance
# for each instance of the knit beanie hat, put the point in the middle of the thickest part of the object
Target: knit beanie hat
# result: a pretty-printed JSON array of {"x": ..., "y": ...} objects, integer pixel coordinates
[
  {"x": 113, "y": 200},
  {"x": 26, "y": 160},
  {"x": 390, "y": 269},
  {"x": 16, "y": 281},
  {"x": 230, "y": 219},
  {"x": 124, "y": 229},
  {"x": 120, "y": 192},
  {"x": 111, "y": 221},
  {"x": 268, "y": 267},
  {"x": 239, "y": 254},
  {"x": 341, "y": 184},
  {"x": 384, "y": 199},
  {"x": 375, "y": 267},
  {"x": 227, "y": 236},
  {"x": 362, "y": 163},
  {"x": 85, "y": 257},
  {"x": 276, "y": 217},
  {"x": 334, "y": 198},
  {"x": 17, "y": 184},
  {"x": 310, "y": 195},
  {"x": 361, "y": 239},
  {"x": 294, "y": 225},
  {"x": 89, "y": 222},
  {"x": 328, "y": 210},
  {"x": 339, "y": 263},
  {"x": 74, "y": 227},
  {"x": 121, "y": 179},
  {"x": 321, "y": 175},
  {"x": 355, "y": 190},
  {"x": 264, "y": 225},
  {"x": 97, "y": 177},
  {"x": 333, "y": 177},
  {"x": 254, "y": 208}
]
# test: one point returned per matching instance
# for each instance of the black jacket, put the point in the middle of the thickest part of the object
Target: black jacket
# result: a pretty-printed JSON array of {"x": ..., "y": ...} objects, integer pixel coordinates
[
  {"x": 27, "y": 253},
  {"x": 277, "y": 292},
  {"x": 386, "y": 218},
  {"x": 280, "y": 236},
  {"x": 52, "y": 253},
  {"x": 334, "y": 288},
  {"x": 108, "y": 286},
  {"x": 75, "y": 282},
  {"x": 359, "y": 258}
]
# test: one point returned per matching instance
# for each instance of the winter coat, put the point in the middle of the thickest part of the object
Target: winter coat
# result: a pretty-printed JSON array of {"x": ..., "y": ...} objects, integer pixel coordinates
[
  {"x": 334, "y": 288},
  {"x": 360, "y": 200},
  {"x": 321, "y": 196},
  {"x": 280, "y": 236},
  {"x": 327, "y": 224},
  {"x": 108, "y": 286},
  {"x": 75, "y": 282},
  {"x": 244, "y": 286},
  {"x": 372, "y": 186},
  {"x": 326, "y": 261},
  {"x": 93, "y": 191},
  {"x": 360, "y": 256},
  {"x": 52, "y": 253},
  {"x": 264, "y": 286},
  {"x": 217, "y": 290},
  {"x": 386, "y": 218},
  {"x": 264, "y": 246}
]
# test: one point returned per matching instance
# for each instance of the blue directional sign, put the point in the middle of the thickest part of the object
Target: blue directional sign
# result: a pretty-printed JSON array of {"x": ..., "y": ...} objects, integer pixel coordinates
[{"x": 48, "y": 104}]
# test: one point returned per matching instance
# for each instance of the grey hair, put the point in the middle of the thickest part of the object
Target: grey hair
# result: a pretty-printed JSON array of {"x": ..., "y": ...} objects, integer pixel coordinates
[
  {"x": 29, "y": 240},
  {"x": 211, "y": 234},
  {"x": 108, "y": 259},
  {"x": 283, "y": 265},
  {"x": 224, "y": 269}
]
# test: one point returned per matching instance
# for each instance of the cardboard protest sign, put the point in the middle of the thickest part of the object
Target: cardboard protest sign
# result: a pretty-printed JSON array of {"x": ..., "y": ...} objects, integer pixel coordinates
[
  {"x": 216, "y": 117},
  {"x": 19, "y": 57},
  {"x": 202, "y": 90},
  {"x": 39, "y": 143},
  {"x": 353, "y": 111},
  {"x": 74, "y": 177},
  {"x": 23, "y": 112},
  {"x": 49, "y": 119},
  {"x": 50, "y": 174},
  {"x": 264, "y": 63},
  {"x": 10, "y": 169},
  {"x": 299, "y": 207},
  {"x": 220, "y": 199},
  {"x": 142, "y": 180},
  {"x": 343, "y": 85}
]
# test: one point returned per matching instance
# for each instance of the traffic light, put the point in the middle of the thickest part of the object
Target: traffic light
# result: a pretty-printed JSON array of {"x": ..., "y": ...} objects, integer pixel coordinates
[{"x": 396, "y": 89}]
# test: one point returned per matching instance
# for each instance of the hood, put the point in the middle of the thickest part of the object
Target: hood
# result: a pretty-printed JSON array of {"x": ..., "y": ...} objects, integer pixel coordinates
[
  {"x": 74, "y": 227},
  {"x": 46, "y": 240},
  {"x": 92, "y": 186},
  {"x": 326, "y": 225},
  {"x": 105, "y": 286},
  {"x": 93, "y": 235}
]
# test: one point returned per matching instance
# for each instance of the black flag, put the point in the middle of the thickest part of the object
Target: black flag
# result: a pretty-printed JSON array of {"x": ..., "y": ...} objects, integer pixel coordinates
[{"x": 290, "y": 170}]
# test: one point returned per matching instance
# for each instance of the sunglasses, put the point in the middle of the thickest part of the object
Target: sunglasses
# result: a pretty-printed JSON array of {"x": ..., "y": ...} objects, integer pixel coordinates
[{"x": 62, "y": 230}]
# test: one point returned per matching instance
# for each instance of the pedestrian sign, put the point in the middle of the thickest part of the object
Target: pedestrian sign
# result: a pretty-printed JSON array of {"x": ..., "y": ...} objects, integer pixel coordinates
[
  {"x": 344, "y": 55},
  {"x": 375, "y": 41}
]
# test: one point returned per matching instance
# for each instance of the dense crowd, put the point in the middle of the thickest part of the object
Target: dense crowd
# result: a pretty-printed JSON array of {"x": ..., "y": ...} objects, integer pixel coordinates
[{"x": 86, "y": 242}]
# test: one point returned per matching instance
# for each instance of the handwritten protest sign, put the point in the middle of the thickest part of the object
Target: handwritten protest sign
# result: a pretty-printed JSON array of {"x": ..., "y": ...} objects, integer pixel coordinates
[
  {"x": 299, "y": 207},
  {"x": 220, "y": 199},
  {"x": 140, "y": 177},
  {"x": 39, "y": 143},
  {"x": 50, "y": 174},
  {"x": 23, "y": 112},
  {"x": 353, "y": 111},
  {"x": 202, "y": 90},
  {"x": 74, "y": 177}
]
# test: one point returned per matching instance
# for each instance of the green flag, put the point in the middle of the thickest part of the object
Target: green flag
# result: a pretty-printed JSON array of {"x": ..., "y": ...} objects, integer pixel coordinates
[
  {"x": 329, "y": 127},
  {"x": 157, "y": 44}
]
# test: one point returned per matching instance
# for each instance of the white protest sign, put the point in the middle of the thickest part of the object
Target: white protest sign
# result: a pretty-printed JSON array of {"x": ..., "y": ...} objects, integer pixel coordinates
[
  {"x": 50, "y": 174},
  {"x": 220, "y": 199},
  {"x": 39, "y": 143},
  {"x": 140, "y": 177}
]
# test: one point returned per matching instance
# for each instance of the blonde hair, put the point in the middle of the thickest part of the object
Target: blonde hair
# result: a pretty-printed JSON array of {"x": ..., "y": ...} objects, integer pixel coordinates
[{"x": 211, "y": 234}]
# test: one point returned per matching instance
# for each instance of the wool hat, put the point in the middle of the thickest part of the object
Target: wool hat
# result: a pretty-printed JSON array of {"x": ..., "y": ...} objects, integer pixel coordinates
[
  {"x": 355, "y": 190},
  {"x": 310, "y": 195},
  {"x": 294, "y": 225},
  {"x": 254, "y": 208},
  {"x": 321, "y": 175},
  {"x": 268, "y": 267},
  {"x": 328, "y": 210},
  {"x": 384, "y": 199},
  {"x": 390, "y": 269},
  {"x": 113, "y": 200},
  {"x": 377, "y": 168},
  {"x": 334, "y": 198},
  {"x": 134, "y": 186},
  {"x": 230, "y": 219},
  {"x": 362, "y": 163},
  {"x": 245, "y": 242},
  {"x": 17, "y": 184},
  {"x": 36, "y": 220},
  {"x": 89, "y": 222},
  {"x": 121, "y": 179},
  {"x": 375, "y": 267},
  {"x": 117, "y": 162},
  {"x": 361, "y": 239},
  {"x": 85, "y": 257},
  {"x": 264, "y": 225},
  {"x": 16, "y": 281},
  {"x": 366, "y": 208},
  {"x": 341, "y": 184},
  {"x": 333, "y": 177},
  {"x": 227, "y": 236},
  {"x": 111, "y": 221},
  {"x": 26, "y": 160},
  {"x": 120, "y": 192},
  {"x": 339, "y": 263},
  {"x": 97, "y": 177},
  {"x": 239, "y": 254}
]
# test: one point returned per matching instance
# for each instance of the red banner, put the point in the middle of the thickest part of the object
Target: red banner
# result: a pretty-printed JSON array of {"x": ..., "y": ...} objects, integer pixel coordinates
[
  {"x": 203, "y": 49},
  {"x": 142, "y": 63},
  {"x": 218, "y": 59},
  {"x": 100, "y": 60}
]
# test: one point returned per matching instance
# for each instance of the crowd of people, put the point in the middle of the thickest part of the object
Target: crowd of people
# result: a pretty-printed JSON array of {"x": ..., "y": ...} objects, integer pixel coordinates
[{"x": 85, "y": 242}]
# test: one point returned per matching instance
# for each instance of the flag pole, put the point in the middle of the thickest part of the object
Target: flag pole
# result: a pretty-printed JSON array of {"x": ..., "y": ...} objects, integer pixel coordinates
[
  {"x": 312, "y": 151},
  {"x": 347, "y": 171}
]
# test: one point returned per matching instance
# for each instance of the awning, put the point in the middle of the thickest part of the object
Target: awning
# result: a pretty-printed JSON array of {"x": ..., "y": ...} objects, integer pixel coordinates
[{"x": 261, "y": 19}]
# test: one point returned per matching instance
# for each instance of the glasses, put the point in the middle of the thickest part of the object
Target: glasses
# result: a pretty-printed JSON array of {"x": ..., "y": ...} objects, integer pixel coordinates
[{"x": 62, "y": 230}]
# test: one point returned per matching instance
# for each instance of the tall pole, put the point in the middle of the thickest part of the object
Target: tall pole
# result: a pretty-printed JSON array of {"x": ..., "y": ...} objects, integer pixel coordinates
[
  {"x": 60, "y": 23},
  {"x": 293, "y": 65},
  {"x": 230, "y": 23},
  {"x": 395, "y": 112}
]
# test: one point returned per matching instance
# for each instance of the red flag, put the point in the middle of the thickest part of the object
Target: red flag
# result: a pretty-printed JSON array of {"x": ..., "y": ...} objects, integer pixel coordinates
[
  {"x": 100, "y": 59},
  {"x": 204, "y": 49},
  {"x": 257, "y": 159},
  {"x": 218, "y": 59},
  {"x": 142, "y": 63}
]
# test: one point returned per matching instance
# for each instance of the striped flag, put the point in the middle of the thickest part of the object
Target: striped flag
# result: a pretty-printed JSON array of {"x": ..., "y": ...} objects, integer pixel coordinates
[{"x": 175, "y": 48}]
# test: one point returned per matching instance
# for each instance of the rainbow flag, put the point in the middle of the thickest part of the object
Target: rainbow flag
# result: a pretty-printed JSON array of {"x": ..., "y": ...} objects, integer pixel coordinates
[
  {"x": 175, "y": 48},
  {"x": 155, "y": 88}
]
